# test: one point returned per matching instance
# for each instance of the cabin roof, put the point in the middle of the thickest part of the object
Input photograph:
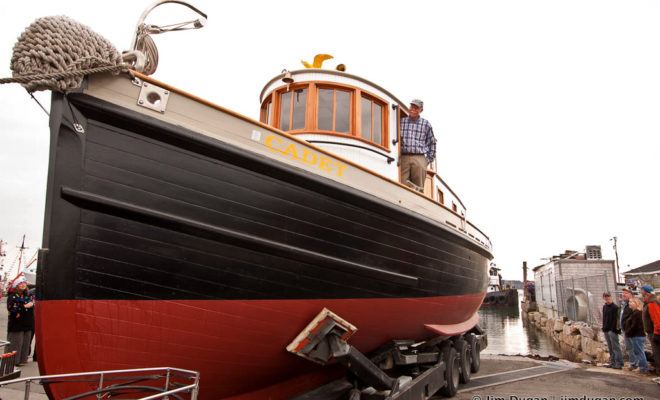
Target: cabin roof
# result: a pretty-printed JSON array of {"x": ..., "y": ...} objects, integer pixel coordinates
[{"x": 401, "y": 104}]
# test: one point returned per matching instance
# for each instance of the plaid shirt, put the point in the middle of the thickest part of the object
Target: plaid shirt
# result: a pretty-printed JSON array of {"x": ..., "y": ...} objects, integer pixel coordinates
[{"x": 417, "y": 138}]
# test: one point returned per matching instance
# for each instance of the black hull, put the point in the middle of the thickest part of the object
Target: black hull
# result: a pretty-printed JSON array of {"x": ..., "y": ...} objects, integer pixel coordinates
[{"x": 141, "y": 209}]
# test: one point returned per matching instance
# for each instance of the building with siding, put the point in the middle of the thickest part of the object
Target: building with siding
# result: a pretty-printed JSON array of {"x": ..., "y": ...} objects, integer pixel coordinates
[
  {"x": 648, "y": 274},
  {"x": 572, "y": 285}
]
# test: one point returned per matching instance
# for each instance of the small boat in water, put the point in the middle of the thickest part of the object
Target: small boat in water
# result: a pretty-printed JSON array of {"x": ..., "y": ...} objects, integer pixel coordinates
[
  {"x": 497, "y": 295},
  {"x": 178, "y": 232}
]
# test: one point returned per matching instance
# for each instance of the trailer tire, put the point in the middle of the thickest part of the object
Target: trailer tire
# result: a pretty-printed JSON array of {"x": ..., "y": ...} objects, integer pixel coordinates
[
  {"x": 475, "y": 363},
  {"x": 465, "y": 360},
  {"x": 451, "y": 372}
]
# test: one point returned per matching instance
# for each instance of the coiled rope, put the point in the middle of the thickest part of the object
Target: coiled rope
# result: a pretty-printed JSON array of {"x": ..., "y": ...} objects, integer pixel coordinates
[{"x": 55, "y": 53}]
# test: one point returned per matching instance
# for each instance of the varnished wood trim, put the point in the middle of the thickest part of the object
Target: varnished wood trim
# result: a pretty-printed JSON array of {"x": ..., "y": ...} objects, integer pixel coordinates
[{"x": 452, "y": 192}]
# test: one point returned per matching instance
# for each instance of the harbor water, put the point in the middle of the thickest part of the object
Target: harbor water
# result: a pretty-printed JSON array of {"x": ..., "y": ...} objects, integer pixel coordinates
[{"x": 507, "y": 334}]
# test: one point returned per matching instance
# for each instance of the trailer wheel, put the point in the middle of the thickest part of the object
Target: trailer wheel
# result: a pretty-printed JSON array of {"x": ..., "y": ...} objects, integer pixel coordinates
[
  {"x": 475, "y": 363},
  {"x": 465, "y": 360},
  {"x": 451, "y": 372}
]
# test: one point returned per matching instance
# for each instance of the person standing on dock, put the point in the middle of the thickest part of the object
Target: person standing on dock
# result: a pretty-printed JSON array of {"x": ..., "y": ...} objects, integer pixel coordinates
[
  {"x": 626, "y": 312},
  {"x": 417, "y": 146},
  {"x": 21, "y": 320},
  {"x": 611, "y": 331},
  {"x": 651, "y": 320},
  {"x": 634, "y": 331}
]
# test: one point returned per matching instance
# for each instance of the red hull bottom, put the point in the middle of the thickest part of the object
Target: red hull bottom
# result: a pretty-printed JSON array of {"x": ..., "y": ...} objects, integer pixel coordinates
[{"x": 237, "y": 346}]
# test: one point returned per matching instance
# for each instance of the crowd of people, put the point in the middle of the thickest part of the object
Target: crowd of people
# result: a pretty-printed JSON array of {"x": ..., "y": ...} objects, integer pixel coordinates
[{"x": 639, "y": 320}]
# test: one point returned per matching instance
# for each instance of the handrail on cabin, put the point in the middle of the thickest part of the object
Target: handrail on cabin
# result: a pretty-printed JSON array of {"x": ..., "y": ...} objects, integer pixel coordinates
[{"x": 389, "y": 159}]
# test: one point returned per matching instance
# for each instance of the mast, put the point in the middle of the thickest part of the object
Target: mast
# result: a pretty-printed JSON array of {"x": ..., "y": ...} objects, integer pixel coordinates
[{"x": 20, "y": 256}]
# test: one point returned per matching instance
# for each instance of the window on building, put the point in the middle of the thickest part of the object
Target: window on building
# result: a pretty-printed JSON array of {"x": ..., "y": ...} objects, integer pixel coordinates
[
  {"x": 441, "y": 197},
  {"x": 293, "y": 106},
  {"x": 334, "y": 110},
  {"x": 453, "y": 207},
  {"x": 372, "y": 121}
]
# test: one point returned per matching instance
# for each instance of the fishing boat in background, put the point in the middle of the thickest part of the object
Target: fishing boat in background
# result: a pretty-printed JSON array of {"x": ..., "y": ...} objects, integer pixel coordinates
[{"x": 178, "y": 232}]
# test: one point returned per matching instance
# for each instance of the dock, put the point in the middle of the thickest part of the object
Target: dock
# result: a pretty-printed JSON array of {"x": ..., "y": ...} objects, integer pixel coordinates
[{"x": 521, "y": 378}]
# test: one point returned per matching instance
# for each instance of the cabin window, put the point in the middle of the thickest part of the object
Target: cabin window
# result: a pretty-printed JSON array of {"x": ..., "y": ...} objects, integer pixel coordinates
[
  {"x": 372, "y": 121},
  {"x": 453, "y": 207},
  {"x": 441, "y": 197},
  {"x": 266, "y": 110},
  {"x": 334, "y": 110},
  {"x": 292, "y": 109}
]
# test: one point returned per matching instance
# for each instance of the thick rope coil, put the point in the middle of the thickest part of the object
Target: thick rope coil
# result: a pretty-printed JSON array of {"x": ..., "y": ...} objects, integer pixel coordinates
[{"x": 55, "y": 53}]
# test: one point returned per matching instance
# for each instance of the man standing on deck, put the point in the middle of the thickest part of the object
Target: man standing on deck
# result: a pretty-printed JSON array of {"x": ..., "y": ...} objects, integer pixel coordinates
[
  {"x": 626, "y": 312},
  {"x": 611, "y": 331},
  {"x": 651, "y": 320},
  {"x": 417, "y": 147}
]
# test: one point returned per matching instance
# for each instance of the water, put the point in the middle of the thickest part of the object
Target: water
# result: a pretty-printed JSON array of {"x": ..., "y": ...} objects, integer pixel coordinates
[{"x": 508, "y": 335}]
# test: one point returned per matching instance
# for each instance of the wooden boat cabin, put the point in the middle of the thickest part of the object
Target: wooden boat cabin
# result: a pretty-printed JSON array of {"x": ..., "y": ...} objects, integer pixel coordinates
[{"x": 348, "y": 116}]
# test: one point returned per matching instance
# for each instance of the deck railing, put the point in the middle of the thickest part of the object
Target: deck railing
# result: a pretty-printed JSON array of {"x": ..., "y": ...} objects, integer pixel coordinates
[{"x": 176, "y": 383}]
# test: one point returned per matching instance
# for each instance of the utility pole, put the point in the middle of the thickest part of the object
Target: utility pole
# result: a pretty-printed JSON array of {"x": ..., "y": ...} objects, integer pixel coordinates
[{"x": 616, "y": 255}]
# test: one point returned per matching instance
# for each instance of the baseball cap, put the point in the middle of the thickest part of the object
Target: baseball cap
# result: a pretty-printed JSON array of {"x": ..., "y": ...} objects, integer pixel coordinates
[
  {"x": 418, "y": 103},
  {"x": 647, "y": 288}
]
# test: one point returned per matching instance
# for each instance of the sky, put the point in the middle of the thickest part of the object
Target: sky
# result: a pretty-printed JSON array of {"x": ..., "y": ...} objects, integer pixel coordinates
[{"x": 547, "y": 113}]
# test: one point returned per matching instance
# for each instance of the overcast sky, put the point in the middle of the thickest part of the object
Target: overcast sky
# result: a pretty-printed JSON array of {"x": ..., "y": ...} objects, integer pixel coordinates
[{"x": 546, "y": 112}]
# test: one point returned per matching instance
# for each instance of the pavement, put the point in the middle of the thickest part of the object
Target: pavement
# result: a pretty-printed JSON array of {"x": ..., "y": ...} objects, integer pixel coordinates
[
  {"x": 16, "y": 391},
  {"x": 568, "y": 381}
]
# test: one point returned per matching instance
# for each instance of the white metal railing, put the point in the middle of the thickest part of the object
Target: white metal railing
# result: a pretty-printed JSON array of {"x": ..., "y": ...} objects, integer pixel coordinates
[{"x": 175, "y": 382}]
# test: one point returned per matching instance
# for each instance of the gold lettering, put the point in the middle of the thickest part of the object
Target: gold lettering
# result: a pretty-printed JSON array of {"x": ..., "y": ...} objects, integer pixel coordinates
[
  {"x": 306, "y": 159},
  {"x": 270, "y": 139},
  {"x": 340, "y": 169},
  {"x": 291, "y": 151},
  {"x": 325, "y": 164}
]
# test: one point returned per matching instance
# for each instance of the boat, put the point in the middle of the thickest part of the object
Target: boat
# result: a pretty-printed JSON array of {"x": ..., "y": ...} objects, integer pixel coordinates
[
  {"x": 496, "y": 294},
  {"x": 181, "y": 233}
]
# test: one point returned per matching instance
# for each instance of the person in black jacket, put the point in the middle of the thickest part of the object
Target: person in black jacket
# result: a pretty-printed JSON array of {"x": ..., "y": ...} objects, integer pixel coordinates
[
  {"x": 611, "y": 331},
  {"x": 634, "y": 329},
  {"x": 21, "y": 320},
  {"x": 626, "y": 312}
]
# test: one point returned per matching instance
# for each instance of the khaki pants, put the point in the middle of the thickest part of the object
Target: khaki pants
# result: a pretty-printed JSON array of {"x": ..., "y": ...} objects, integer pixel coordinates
[{"x": 413, "y": 168}]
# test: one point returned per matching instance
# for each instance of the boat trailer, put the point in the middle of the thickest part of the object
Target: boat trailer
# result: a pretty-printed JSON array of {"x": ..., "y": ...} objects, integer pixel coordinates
[{"x": 401, "y": 369}]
